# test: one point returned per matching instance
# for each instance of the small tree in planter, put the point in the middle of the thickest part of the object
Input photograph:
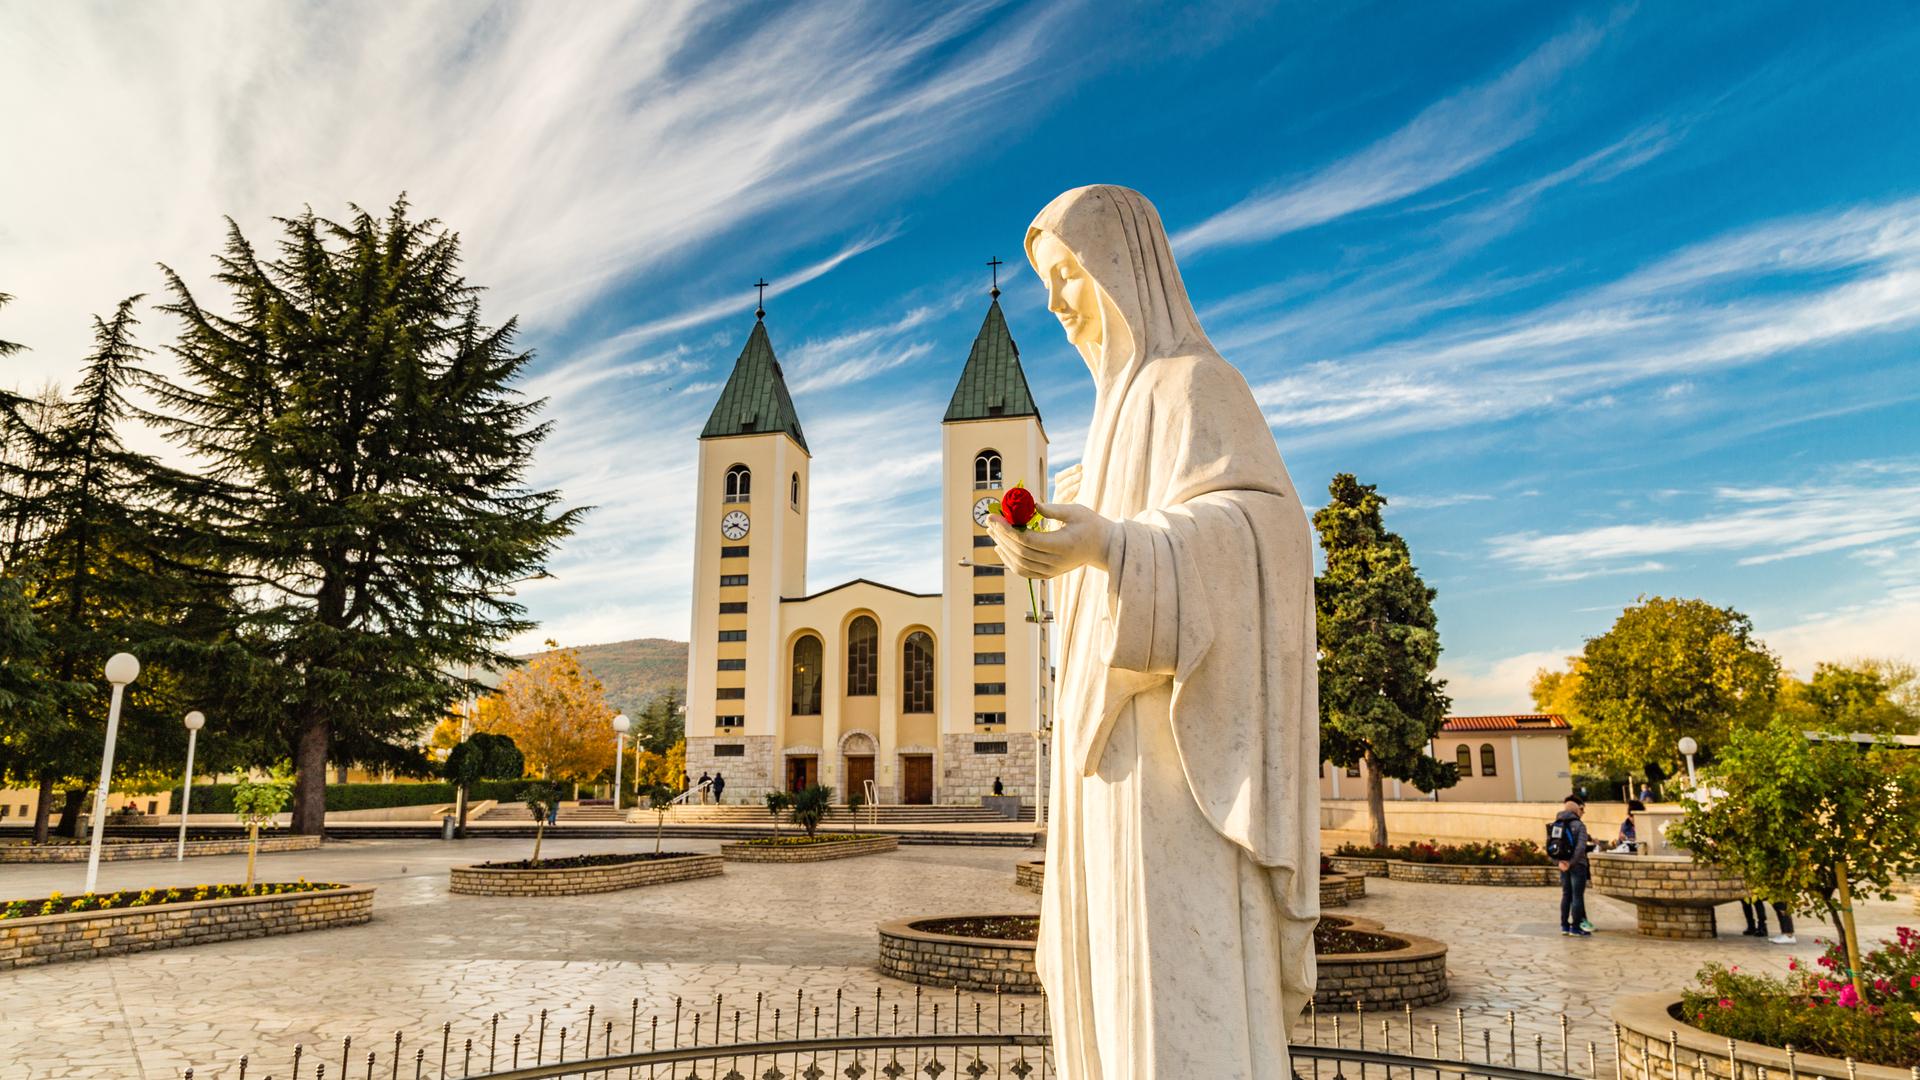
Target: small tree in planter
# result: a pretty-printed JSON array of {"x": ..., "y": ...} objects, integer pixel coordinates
[
  {"x": 660, "y": 799},
  {"x": 778, "y": 802},
  {"x": 542, "y": 799},
  {"x": 1810, "y": 823},
  {"x": 256, "y": 805},
  {"x": 855, "y": 800},
  {"x": 483, "y": 756},
  {"x": 810, "y": 806}
]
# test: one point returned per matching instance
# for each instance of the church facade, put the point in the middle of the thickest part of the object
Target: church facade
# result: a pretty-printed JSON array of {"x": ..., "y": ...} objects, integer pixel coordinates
[{"x": 904, "y": 697}]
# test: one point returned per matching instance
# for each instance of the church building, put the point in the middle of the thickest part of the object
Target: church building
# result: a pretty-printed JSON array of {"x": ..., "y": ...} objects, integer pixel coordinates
[{"x": 905, "y": 697}]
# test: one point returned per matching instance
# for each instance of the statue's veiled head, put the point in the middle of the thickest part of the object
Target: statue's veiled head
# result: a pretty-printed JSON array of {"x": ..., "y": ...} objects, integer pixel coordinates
[{"x": 1111, "y": 279}]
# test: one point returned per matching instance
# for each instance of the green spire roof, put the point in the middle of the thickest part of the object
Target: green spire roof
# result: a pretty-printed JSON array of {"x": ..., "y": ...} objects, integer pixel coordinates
[
  {"x": 755, "y": 400},
  {"x": 992, "y": 384}
]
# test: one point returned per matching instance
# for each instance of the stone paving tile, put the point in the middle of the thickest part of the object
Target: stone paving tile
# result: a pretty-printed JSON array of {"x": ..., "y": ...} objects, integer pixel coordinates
[{"x": 430, "y": 958}]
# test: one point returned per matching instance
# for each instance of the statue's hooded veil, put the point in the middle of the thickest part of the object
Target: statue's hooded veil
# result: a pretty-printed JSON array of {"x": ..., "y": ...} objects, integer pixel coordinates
[{"x": 1214, "y": 584}]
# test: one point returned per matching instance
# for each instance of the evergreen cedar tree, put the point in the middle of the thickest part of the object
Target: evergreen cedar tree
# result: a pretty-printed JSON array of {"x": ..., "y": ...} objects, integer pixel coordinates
[
  {"x": 90, "y": 538},
  {"x": 1379, "y": 701},
  {"x": 363, "y": 455}
]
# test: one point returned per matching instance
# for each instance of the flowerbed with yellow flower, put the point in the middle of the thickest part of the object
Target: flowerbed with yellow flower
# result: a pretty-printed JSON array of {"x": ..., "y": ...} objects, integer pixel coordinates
[
  {"x": 1816, "y": 1008},
  {"x": 58, "y": 904}
]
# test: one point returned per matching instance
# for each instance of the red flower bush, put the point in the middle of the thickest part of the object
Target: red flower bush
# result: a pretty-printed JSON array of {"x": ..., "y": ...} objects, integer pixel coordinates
[{"x": 1817, "y": 1010}]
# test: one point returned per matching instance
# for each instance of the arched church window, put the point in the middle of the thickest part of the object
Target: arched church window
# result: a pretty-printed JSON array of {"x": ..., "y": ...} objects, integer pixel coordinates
[
  {"x": 916, "y": 670},
  {"x": 986, "y": 470},
  {"x": 1463, "y": 759},
  {"x": 863, "y": 657},
  {"x": 793, "y": 491},
  {"x": 739, "y": 484},
  {"x": 806, "y": 676},
  {"x": 1486, "y": 760}
]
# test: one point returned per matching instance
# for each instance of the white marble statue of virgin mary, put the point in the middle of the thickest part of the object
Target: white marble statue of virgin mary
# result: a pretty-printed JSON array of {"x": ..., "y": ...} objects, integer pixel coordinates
[{"x": 1182, "y": 884}]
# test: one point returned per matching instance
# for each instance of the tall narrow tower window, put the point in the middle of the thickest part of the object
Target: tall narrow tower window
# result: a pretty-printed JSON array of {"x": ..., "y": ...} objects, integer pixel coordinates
[
  {"x": 793, "y": 494},
  {"x": 806, "y": 676},
  {"x": 739, "y": 484},
  {"x": 986, "y": 470},
  {"x": 863, "y": 657},
  {"x": 917, "y": 674}
]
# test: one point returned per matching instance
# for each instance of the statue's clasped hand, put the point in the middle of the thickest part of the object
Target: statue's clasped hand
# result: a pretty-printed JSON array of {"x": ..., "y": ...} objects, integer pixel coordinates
[{"x": 1079, "y": 538}]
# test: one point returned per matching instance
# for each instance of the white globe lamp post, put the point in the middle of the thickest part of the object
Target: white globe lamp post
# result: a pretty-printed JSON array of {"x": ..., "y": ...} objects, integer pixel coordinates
[
  {"x": 1689, "y": 748},
  {"x": 195, "y": 721},
  {"x": 122, "y": 669},
  {"x": 621, "y": 725}
]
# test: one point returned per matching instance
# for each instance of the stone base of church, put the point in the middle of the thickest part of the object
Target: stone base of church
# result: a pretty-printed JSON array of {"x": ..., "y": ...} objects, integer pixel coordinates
[
  {"x": 971, "y": 762},
  {"x": 748, "y": 768}
]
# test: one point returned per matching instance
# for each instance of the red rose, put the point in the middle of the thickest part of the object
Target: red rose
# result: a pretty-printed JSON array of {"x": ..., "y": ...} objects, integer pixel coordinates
[{"x": 1017, "y": 506}]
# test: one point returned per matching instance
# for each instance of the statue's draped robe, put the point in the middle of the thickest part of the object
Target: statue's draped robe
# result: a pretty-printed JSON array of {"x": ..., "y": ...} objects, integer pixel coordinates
[{"x": 1182, "y": 886}]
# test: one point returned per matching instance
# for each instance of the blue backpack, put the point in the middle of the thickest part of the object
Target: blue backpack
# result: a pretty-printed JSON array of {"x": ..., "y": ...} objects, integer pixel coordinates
[{"x": 1559, "y": 842}]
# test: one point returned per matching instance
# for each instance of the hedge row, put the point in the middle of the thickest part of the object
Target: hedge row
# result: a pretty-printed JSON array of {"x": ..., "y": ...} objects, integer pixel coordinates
[{"x": 218, "y": 798}]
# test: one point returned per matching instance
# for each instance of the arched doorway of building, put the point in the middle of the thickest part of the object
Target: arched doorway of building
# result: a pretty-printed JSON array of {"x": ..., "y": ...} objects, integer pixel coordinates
[{"x": 857, "y": 751}]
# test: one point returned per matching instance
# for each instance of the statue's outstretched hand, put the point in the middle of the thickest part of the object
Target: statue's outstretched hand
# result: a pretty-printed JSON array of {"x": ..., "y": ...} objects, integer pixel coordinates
[{"x": 1080, "y": 539}]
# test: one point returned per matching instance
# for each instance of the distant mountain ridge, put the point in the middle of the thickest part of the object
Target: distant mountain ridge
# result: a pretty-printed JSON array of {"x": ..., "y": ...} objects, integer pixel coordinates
[{"x": 636, "y": 671}]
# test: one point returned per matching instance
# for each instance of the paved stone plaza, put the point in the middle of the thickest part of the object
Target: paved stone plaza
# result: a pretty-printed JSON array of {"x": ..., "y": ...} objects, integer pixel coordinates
[{"x": 430, "y": 957}]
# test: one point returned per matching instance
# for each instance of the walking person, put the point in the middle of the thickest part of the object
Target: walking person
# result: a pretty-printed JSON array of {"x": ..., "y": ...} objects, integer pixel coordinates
[
  {"x": 705, "y": 790},
  {"x": 1567, "y": 844},
  {"x": 719, "y": 787}
]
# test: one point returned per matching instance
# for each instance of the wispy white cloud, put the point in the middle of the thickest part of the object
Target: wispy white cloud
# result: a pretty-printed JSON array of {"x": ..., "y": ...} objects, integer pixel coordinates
[
  {"x": 1502, "y": 685},
  {"x": 1447, "y": 139},
  {"x": 1855, "y": 509},
  {"x": 1666, "y": 321}
]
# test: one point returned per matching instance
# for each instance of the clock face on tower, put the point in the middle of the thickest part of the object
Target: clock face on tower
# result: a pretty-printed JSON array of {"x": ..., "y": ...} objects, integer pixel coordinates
[
  {"x": 982, "y": 510},
  {"x": 734, "y": 525}
]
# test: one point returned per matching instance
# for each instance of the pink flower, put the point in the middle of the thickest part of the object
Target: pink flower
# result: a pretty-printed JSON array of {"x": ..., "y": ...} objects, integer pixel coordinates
[
  {"x": 1726, "y": 1003},
  {"x": 1825, "y": 961},
  {"x": 1914, "y": 983},
  {"x": 1848, "y": 998},
  {"x": 1793, "y": 965},
  {"x": 1881, "y": 985}
]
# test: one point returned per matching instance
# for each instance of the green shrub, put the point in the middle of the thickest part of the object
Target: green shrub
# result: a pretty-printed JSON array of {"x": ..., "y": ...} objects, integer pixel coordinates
[{"x": 218, "y": 798}]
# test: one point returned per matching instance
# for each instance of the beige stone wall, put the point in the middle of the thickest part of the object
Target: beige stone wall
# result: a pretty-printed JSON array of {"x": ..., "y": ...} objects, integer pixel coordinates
[
  {"x": 1655, "y": 1045},
  {"x": 83, "y": 935},
  {"x": 159, "y": 849},
  {"x": 1455, "y": 822},
  {"x": 748, "y": 777},
  {"x": 1031, "y": 875},
  {"x": 967, "y": 775},
  {"x": 580, "y": 881},
  {"x": 1339, "y": 890},
  {"x": 1415, "y": 974},
  {"x": 1440, "y": 874}
]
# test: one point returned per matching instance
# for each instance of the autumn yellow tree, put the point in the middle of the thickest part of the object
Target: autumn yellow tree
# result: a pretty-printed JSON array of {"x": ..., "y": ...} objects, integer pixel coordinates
[{"x": 557, "y": 713}]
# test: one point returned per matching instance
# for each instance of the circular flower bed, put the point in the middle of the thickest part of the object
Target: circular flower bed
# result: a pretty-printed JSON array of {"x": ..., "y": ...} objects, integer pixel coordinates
[
  {"x": 1817, "y": 1008},
  {"x": 1361, "y": 963},
  {"x": 578, "y": 875},
  {"x": 972, "y": 952}
]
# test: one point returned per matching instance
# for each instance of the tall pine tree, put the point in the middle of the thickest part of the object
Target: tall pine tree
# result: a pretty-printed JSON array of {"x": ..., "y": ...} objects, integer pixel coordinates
[
  {"x": 365, "y": 455},
  {"x": 94, "y": 555},
  {"x": 1379, "y": 701}
]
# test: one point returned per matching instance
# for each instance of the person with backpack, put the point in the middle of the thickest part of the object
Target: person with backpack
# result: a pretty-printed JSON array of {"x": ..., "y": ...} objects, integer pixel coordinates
[{"x": 1567, "y": 845}]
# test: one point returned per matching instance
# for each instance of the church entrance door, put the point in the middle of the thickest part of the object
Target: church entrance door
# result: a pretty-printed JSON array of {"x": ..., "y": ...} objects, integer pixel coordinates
[
  {"x": 802, "y": 772},
  {"x": 916, "y": 779},
  {"x": 859, "y": 771}
]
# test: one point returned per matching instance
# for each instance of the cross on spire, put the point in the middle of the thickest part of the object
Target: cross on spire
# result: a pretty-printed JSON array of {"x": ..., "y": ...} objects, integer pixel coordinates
[
  {"x": 760, "y": 304},
  {"x": 996, "y": 264}
]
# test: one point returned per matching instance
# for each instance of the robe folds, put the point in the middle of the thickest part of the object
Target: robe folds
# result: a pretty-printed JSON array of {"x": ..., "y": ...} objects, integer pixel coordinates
[{"x": 1182, "y": 881}]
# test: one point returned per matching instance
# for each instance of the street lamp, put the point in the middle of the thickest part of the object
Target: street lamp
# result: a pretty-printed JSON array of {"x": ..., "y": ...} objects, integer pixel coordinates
[
  {"x": 122, "y": 669},
  {"x": 195, "y": 721},
  {"x": 1689, "y": 748},
  {"x": 621, "y": 725}
]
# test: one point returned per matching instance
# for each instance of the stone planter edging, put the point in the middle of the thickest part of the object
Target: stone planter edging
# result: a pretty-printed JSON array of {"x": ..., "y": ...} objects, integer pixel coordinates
[
  {"x": 1647, "y": 1021},
  {"x": 1030, "y": 875},
  {"x": 1339, "y": 890},
  {"x": 83, "y": 935},
  {"x": 1673, "y": 896},
  {"x": 582, "y": 880},
  {"x": 946, "y": 960},
  {"x": 158, "y": 849},
  {"x": 1414, "y": 974},
  {"x": 792, "y": 853},
  {"x": 1459, "y": 874},
  {"x": 1354, "y": 864}
]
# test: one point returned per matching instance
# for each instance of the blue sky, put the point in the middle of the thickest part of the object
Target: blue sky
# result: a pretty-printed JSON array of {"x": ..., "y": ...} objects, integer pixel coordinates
[{"x": 1609, "y": 300}]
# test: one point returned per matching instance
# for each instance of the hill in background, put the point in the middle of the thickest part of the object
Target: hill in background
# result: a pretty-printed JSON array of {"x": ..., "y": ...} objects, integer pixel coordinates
[{"x": 635, "y": 671}]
